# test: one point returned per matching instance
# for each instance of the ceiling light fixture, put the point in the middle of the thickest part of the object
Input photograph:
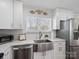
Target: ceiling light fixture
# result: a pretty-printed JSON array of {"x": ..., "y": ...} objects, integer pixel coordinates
[{"x": 39, "y": 12}]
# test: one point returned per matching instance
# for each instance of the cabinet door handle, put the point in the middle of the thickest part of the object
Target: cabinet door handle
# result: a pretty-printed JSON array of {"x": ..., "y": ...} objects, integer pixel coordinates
[
  {"x": 42, "y": 53},
  {"x": 45, "y": 53},
  {"x": 12, "y": 25},
  {"x": 20, "y": 26},
  {"x": 60, "y": 48}
]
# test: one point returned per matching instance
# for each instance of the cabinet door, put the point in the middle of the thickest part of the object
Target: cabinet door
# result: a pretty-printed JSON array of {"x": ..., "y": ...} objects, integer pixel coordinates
[
  {"x": 18, "y": 15},
  {"x": 48, "y": 55},
  {"x": 56, "y": 20},
  {"x": 61, "y": 14},
  {"x": 8, "y": 53},
  {"x": 6, "y": 14},
  {"x": 59, "y": 50},
  {"x": 38, "y": 55},
  {"x": 76, "y": 21},
  {"x": 66, "y": 14}
]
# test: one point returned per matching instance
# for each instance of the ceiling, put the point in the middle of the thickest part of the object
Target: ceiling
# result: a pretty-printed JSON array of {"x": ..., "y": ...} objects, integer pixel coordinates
[{"x": 51, "y": 4}]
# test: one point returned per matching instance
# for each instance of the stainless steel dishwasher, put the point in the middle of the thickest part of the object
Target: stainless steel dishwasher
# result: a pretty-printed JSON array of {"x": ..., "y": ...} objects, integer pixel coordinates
[{"x": 23, "y": 52}]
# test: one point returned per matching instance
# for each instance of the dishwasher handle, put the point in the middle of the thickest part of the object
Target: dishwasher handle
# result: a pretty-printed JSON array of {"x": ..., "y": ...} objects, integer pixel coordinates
[
  {"x": 15, "y": 48},
  {"x": 22, "y": 46}
]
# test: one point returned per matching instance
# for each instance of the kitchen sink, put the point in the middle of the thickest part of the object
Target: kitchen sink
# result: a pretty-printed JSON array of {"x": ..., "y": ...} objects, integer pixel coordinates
[
  {"x": 42, "y": 41},
  {"x": 42, "y": 45}
]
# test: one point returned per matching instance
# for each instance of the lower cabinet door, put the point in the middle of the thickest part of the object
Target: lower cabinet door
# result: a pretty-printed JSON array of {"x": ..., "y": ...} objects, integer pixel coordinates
[
  {"x": 48, "y": 54},
  {"x": 8, "y": 53},
  {"x": 38, "y": 55},
  {"x": 59, "y": 50},
  {"x": 43, "y": 55}
]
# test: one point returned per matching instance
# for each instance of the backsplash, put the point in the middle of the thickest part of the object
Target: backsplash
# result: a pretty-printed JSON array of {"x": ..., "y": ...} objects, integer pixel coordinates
[
  {"x": 11, "y": 32},
  {"x": 29, "y": 36},
  {"x": 32, "y": 36}
]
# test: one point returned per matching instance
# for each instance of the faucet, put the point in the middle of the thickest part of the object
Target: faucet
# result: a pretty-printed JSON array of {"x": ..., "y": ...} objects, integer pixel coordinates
[{"x": 40, "y": 35}]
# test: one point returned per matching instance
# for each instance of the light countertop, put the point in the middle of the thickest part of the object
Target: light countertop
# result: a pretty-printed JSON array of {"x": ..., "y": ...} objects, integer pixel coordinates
[
  {"x": 13, "y": 43},
  {"x": 57, "y": 39}
]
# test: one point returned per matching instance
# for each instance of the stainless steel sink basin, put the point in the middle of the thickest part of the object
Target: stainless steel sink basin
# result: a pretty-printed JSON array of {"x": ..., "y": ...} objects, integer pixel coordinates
[
  {"x": 42, "y": 45},
  {"x": 42, "y": 41}
]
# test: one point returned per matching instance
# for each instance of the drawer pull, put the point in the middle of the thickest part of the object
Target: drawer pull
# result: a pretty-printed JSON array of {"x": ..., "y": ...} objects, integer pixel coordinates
[{"x": 60, "y": 48}]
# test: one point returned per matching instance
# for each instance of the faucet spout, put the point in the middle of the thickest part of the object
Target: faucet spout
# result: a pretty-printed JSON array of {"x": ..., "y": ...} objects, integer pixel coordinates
[{"x": 40, "y": 35}]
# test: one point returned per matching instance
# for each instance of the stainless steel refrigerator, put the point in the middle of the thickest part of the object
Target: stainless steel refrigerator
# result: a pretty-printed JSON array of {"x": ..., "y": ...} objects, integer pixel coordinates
[{"x": 66, "y": 32}]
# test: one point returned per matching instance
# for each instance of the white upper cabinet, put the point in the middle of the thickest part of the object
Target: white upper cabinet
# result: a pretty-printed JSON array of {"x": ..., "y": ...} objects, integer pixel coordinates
[
  {"x": 6, "y": 14},
  {"x": 61, "y": 14},
  {"x": 76, "y": 21},
  {"x": 18, "y": 15},
  {"x": 56, "y": 19},
  {"x": 11, "y": 14},
  {"x": 66, "y": 14}
]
